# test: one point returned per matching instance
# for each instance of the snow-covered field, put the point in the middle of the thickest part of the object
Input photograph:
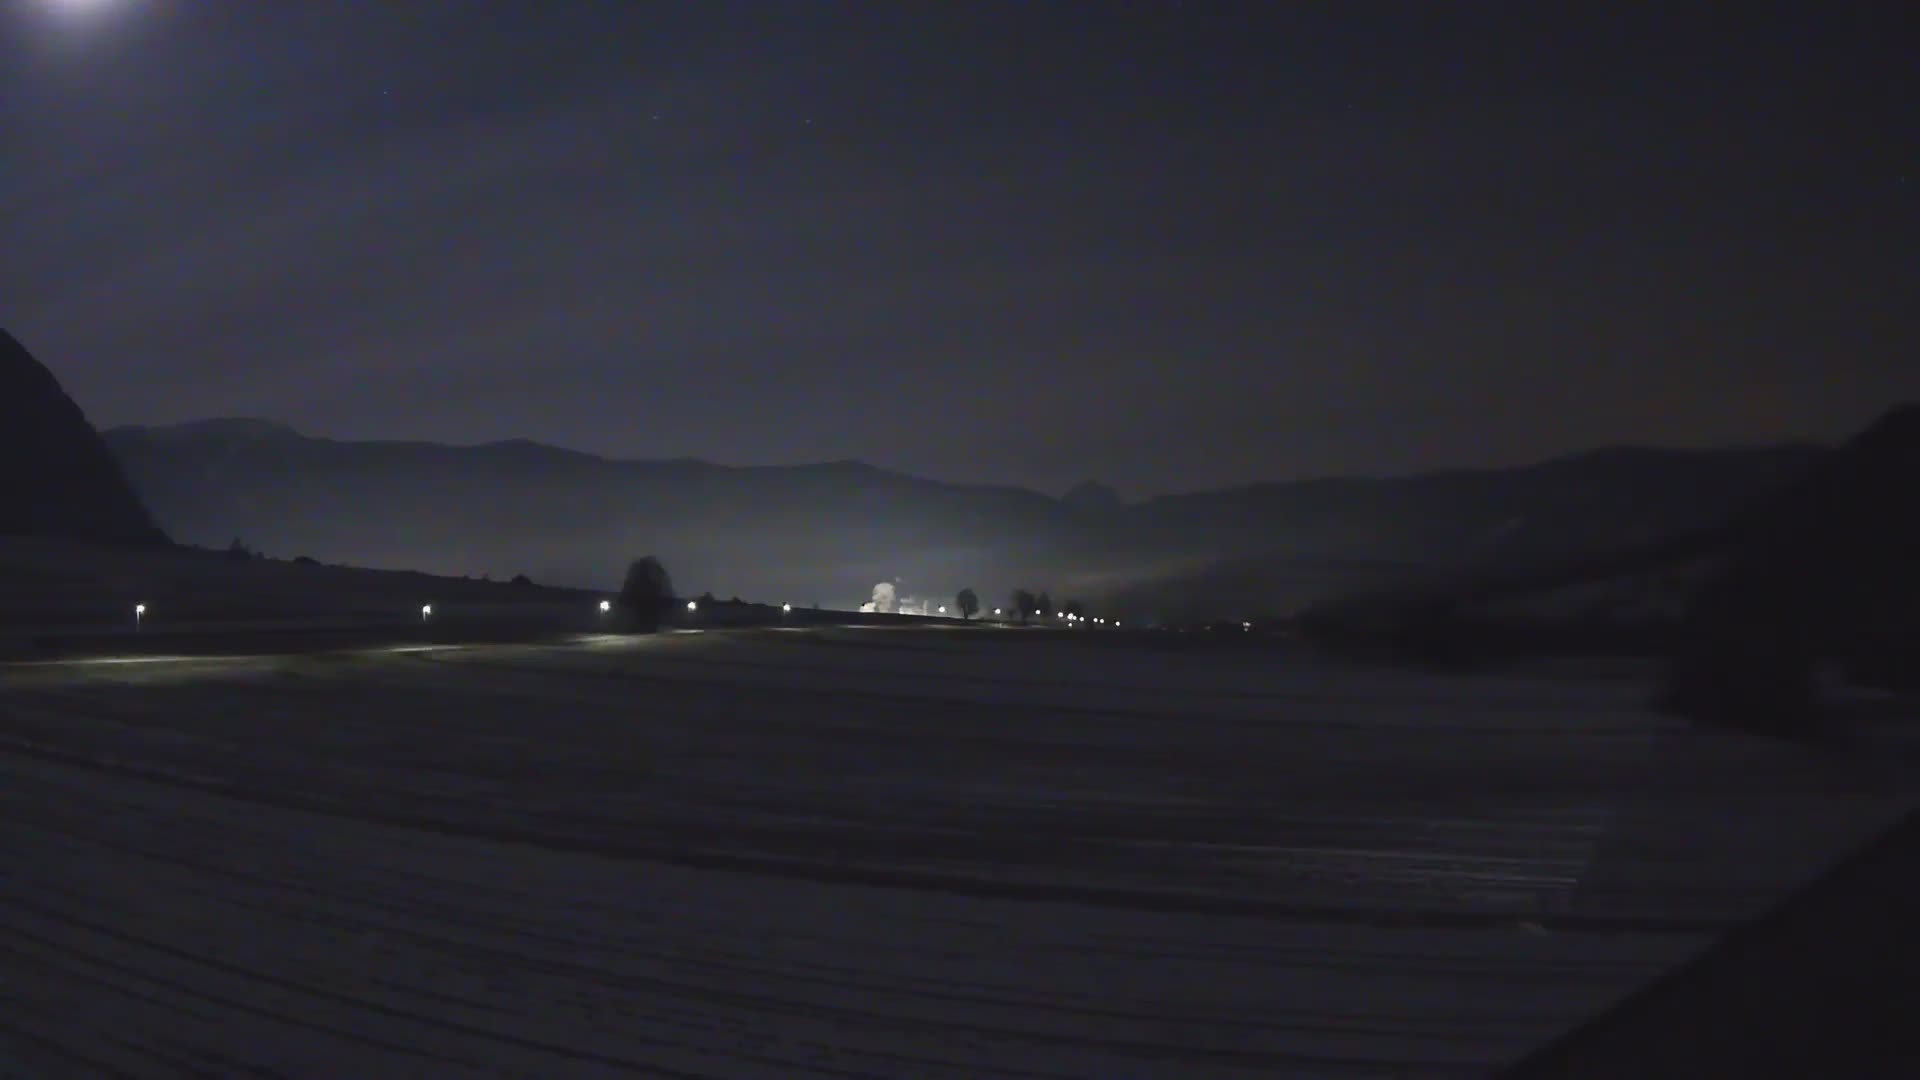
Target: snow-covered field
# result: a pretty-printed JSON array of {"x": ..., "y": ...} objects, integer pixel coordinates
[{"x": 862, "y": 853}]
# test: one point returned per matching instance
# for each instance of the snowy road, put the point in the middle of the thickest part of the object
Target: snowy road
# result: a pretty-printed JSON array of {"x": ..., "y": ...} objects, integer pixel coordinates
[{"x": 846, "y": 853}]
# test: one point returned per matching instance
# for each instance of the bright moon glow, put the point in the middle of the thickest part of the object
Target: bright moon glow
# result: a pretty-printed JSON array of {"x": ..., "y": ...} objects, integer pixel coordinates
[{"x": 75, "y": 8}]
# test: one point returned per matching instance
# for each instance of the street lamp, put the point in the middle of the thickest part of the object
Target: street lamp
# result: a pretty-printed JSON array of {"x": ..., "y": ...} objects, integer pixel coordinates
[
  {"x": 606, "y": 606},
  {"x": 139, "y": 612},
  {"x": 943, "y": 609},
  {"x": 693, "y": 605},
  {"x": 426, "y": 612},
  {"x": 996, "y": 613},
  {"x": 786, "y": 609}
]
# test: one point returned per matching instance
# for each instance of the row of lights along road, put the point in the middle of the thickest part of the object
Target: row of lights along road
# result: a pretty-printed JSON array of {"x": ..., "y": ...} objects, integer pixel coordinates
[{"x": 606, "y": 606}]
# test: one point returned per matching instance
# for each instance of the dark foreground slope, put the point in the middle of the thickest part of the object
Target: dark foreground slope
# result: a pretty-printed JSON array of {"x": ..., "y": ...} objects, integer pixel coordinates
[
  {"x": 1823, "y": 986},
  {"x": 56, "y": 476}
]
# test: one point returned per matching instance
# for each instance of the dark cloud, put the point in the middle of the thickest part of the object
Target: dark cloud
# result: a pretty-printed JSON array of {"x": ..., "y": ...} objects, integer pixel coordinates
[{"x": 1168, "y": 245}]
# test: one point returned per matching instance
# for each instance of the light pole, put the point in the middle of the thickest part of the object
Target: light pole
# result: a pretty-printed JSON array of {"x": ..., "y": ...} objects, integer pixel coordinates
[
  {"x": 426, "y": 612},
  {"x": 139, "y": 613}
]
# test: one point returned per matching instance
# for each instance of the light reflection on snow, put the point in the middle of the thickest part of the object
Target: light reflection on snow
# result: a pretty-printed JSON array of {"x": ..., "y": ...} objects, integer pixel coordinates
[{"x": 101, "y": 661}]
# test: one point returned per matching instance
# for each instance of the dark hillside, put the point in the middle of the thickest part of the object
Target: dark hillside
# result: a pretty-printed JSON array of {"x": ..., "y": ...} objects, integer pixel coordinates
[{"x": 57, "y": 478}]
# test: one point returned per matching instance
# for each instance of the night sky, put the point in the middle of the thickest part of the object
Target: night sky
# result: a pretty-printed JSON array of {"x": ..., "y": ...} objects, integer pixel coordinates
[{"x": 1168, "y": 246}]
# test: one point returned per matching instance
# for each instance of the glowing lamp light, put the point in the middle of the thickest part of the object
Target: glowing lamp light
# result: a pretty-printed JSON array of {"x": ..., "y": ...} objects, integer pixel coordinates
[
  {"x": 693, "y": 605},
  {"x": 606, "y": 606},
  {"x": 426, "y": 612},
  {"x": 943, "y": 609}
]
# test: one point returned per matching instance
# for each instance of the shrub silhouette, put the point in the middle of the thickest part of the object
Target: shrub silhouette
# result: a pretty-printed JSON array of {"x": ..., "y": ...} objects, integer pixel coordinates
[
  {"x": 1025, "y": 604},
  {"x": 646, "y": 598},
  {"x": 968, "y": 603}
]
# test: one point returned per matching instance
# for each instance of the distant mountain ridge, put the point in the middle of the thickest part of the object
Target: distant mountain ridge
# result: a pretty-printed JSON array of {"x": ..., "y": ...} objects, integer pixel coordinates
[
  {"x": 826, "y": 532},
  {"x": 57, "y": 477},
  {"x": 1747, "y": 604}
]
